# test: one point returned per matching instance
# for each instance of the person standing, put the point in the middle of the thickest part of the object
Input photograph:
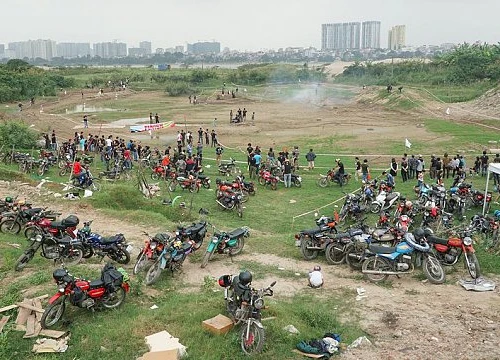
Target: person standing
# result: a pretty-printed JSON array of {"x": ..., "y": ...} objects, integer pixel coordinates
[
  {"x": 231, "y": 116},
  {"x": 484, "y": 164},
  {"x": 207, "y": 138},
  {"x": 287, "y": 173},
  {"x": 412, "y": 167},
  {"x": 404, "y": 169},
  {"x": 85, "y": 121},
  {"x": 53, "y": 140},
  {"x": 218, "y": 153},
  {"x": 200, "y": 135},
  {"x": 446, "y": 165},
  {"x": 258, "y": 159},
  {"x": 251, "y": 165},
  {"x": 150, "y": 118},
  {"x": 295, "y": 157},
  {"x": 214, "y": 138},
  {"x": 310, "y": 156},
  {"x": 244, "y": 114},
  {"x": 420, "y": 165},
  {"x": 157, "y": 118},
  {"x": 358, "y": 172},
  {"x": 365, "y": 170},
  {"x": 394, "y": 167},
  {"x": 199, "y": 151}
]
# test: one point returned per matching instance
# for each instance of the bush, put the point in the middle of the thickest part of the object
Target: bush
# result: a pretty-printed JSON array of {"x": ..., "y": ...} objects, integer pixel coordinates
[
  {"x": 18, "y": 135},
  {"x": 179, "y": 88}
]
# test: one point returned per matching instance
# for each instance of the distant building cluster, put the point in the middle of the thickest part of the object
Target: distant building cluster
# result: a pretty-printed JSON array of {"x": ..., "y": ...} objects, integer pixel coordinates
[
  {"x": 49, "y": 49},
  {"x": 357, "y": 35}
]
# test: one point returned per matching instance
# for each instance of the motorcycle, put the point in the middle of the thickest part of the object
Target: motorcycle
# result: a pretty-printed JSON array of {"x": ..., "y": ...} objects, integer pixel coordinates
[
  {"x": 152, "y": 249},
  {"x": 313, "y": 241},
  {"x": 194, "y": 233},
  {"x": 114, "y": 247},
  {"x": 160, "y": 172},
  {"x": 65, "y": 250},
  {"x": 13, "y": 221},
  {"x": 352, "y": 208},
  {"x": 448, "y": 251},
  {"x": 384, "y": 201},
  {"x": 402, "y": 259},
  {"x": 336, "y": 250},
  {"x": 191, "y": 183},
  {"x": 226, "y": 243},
  {"x": 45, "y": 221},
  {"x": 108, "y": 292},
  {"x": 249, "y": 315},
  {"x": 43, "y": 167},
  {"x": 88, "y": 182},
  {"x": 325, "y": 180},
  {"x": 267, "y": 178},
  {"x": 478, "y": 198},
  {"x": 229, "y": 200},
  {"x": 228, "y": 168},
  {"x": 457, "y": 202}
]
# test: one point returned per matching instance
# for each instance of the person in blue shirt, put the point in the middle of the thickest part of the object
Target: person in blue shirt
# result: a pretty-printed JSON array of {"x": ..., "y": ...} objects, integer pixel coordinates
[
  {"x": 258, "y": 159},
  {"x": 389, "y": 179}
]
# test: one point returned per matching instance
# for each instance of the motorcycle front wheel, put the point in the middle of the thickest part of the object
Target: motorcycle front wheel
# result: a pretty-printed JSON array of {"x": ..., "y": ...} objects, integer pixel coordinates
[
  {"x": 335, "y": 254},
  {"x": 121, "y": 256},
  {"x": 72, "y": 256},
  {"x": 153, "y": 273},
  {"x": 155, "y": 176},
  {"x": 24, "y": 259},
  {"x": 375, "y": 208},
  {"x": 323, "y": 182},
  {"x": 63, "y": 171},
  {"x": 142, "y": 259},
  {"x": 53, "y": 313},
  {"x": 95, "y": 186},
  {"x": 306, "y": 253},
  {"x": 32, "y": 231},
  {"x": 206, "y": 259},
  {"x": 433, "y": 270},
  {"x": 10, "y": 226},
  {"x": 253, "y": 342},
  {"x": 376, "y": 264},
  {"x": 472, "y": 265},
  {"x": 297, "y": 183},
  {"x": 115, "y": 299}
]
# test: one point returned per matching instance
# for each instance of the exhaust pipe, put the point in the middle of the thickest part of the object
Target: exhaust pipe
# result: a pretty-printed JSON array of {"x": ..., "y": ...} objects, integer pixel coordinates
[{"x": 387, "y": 272}]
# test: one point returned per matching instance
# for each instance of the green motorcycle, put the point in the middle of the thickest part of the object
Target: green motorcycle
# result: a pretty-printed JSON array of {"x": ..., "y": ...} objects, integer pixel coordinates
[{"x": 226, "y": 243}]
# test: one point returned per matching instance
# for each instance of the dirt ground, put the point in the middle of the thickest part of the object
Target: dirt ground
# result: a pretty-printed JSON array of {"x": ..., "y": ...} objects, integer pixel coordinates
[{"x": 410, "y": 319}]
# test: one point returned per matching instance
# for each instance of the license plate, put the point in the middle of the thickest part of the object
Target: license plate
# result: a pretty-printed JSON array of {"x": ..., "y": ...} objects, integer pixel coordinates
[{"x": 129, "y": 248}]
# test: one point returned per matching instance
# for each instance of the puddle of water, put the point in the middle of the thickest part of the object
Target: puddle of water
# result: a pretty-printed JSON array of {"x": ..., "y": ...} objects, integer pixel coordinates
[{"x": 87, "y": 109}]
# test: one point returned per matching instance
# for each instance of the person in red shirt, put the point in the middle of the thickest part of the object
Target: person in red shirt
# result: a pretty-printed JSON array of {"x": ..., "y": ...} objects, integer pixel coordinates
[
  {"x": 79, "y": 171},
  {"x": 127, "y": 157}
]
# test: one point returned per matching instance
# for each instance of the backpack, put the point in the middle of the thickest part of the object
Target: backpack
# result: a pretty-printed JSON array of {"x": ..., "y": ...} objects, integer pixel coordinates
[
  {"x": 111, "y": 277},
  {"x": 308, "y": 349}
]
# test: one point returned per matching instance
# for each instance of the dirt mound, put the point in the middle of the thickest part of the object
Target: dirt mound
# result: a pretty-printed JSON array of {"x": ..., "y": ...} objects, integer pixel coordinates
[{"x": 489, "y": 103}]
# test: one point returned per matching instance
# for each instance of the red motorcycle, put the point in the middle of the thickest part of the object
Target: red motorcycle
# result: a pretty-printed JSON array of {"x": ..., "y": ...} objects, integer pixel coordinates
[
  {"x": 191, "y": 183},
  {"x": 478, "y": 199},
  {"x": 108, "y": 292},
  {"x": 161, "y": 172},
  {"x": 448, "y": 251},
  {"x": 46, "y": 222},
  {"x": 266, "y": 178},
  {"x": 153, "y": 247}
]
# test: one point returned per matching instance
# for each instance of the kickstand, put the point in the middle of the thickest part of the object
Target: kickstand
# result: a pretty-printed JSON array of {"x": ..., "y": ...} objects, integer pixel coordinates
[{"x": 231, "y": 257}]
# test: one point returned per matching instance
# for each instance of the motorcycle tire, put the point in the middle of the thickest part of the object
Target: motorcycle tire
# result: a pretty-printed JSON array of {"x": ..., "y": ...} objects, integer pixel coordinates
[
  {"x": 206, "y": 259},
  {"x": 32, "y": 231},
  {"x": 121, "y": 256},
  {"x": 24, "y": 259},
  {"x": 433, "y": 270},
  {"x": 473, "y": 265},
  {"x": 375, "y": 208},
  {"x": 375, "y": 263},
  {"x": 114, "y": 299},
  {"x": 140, "y": 264},
  {"x": 274, "y": 186},
  {"x": 88, "y": 252},
  {"x": 206, "y": 185},
  {"x": 153, "y": 273},
  {"x": 239, "y": 210},
  {"x": 334, "y": 254},
  {"x": 354, "y": 258},
  {"x": 262, "y": 181},
  {"x": 323, "y": 182},
  {"x": 10, "y": 226},
  {"x": 63, "y": 171},
  {"x": 306, "y": 253},
  {"x": 235, "y": 250},
  {"x": 297, "y": 183},
  {"x": 155, "y": 176},
  {"x": 72, "y": 256},
  {"x": 53, "y": 313},
  {"x": 244, "y": 196},
  {"x": 41, "y": 171},
  {"x": 256, "y": 338},
  {"x": 95, "y": 186},
  {"x": 61, "y": 164}
]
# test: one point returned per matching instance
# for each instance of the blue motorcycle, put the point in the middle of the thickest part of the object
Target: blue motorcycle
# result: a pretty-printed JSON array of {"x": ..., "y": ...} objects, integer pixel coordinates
[
  {"x": 383, "y": 261},
  {"x": 172, "y": 257},
  {"x": 114, "y": 247}
]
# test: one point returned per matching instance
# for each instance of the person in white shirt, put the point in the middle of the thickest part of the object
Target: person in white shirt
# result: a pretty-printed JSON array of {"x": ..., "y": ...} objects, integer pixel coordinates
[{"x": 316, "y": 277}]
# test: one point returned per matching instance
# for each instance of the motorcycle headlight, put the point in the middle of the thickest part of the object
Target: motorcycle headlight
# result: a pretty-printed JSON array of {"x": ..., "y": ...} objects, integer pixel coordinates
[
  {"x": 215, "y": 240},
  {"x": 299, "y": 178},
  {"x": 259, "y": 303},
  {"x": 38, "y": 238},
  {"x": 467, "y": 241},
  {"x": 153, "y": 246}
]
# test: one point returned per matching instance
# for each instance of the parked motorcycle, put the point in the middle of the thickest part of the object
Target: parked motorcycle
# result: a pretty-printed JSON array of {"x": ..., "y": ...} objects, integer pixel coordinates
[
  {"x": 384, "y": 201},
  {"x": 226, "y": 243},
  {"x": 108, "y": 292},
  {"x": 402, "y": 259},
  {"x": 229, "y": 168},
  {"x": 13, "y": 221},
  {"x": 352, "y": 208},
  {"x": 249, "y": 314},
  {"x": 115, "y": 247},
  {"x": 477, "y": 198},
  {"x": 266, "y": 178},
  {"x": 230, "y": 200},
  {"x": 65, "y": 250},
  {"x": 313, "y": 241},
  {"x": 45, "y": 221},
  {"x": 153, "y": 247},
  {"x": 191, "y": 183},
  {"x": 194, "y": 233}
]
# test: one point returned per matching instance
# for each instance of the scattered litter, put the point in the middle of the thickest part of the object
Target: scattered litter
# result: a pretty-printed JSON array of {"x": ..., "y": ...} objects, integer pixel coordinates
[
  {"x": 87, "y": 193},
  {"x": 361, "y": 341},
  {"x": 57, "y": 195},
  {"x": 39, "y": 186},
  {"x": 154, "y": 307},
  {"x": 292, "y": 201},
  {"x": 50, "y": 345},
  {"x": 17, "y": 246},
  {"x": 433, "y": 338},
  {"x": 72, "y": 196},
  {"x": 207, "y": 166},
  {"x": 480, "y": 284},
  {"x": 297, "y": 274},
  {"x": 291, "y": 329},
  {"x": 361, "y": 294},
  {"x": 281, "y": 268},
  {"x": 163, "y": 341}
]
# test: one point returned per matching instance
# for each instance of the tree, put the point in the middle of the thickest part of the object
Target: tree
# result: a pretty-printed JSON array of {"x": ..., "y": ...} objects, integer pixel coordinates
[{"x": 18, "y": 135}]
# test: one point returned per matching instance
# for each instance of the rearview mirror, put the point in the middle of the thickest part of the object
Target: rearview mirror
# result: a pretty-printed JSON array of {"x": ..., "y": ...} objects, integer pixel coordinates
[{"x": 273, "y": 283}]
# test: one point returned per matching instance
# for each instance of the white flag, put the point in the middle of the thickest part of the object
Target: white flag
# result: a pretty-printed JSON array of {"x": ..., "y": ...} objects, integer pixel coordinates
[{"x": 407, "y": 143}]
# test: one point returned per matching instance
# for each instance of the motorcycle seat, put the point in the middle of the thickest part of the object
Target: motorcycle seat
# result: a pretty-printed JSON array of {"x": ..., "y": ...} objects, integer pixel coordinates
[
  {"x": 391, "y": 196},
  {"x": 311, "y": 232},
  {"x": 112, "y": 239},
  {"x": 436, "y": 240},
  {"x": 65, "y": 240},
  {"x": 195, "y": 228},
  {"x": 202, "y": 177},
  {"x": 381, "y": 249},
  {"x": 34, "y": 211},
  {"x": 57, "y": 225},
  {"x": 236, "y": 233},
  {"x": 94, "y": 284}
]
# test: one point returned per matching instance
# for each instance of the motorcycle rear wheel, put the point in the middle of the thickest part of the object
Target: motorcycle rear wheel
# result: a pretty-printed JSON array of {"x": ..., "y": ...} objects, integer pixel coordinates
[
  {"x": 354, "y": 258},
  {"x": 255, "y": 342},
  {"x": 306, "y": 253},
  {"x": 375, "y": 208},
  {"x": 140, "y": 264},
  {"x": 334, "y": 255},
  {"x": 206, "y": 259},
  {"x": 153, "y": 273},
  {"x": 473, "y": 266},
  {"x": 10, "y": 226},
  {"x": 323, "y": 182},
  {"x": 32, "y": 231},
  {"x": 53, "y": 313},
  {"x": 297, "y": 183},
  {"x": 238, "y": 248},
  {"x": 24, "y": 259},
  {"x": 95, "y": 186},
  {"x": 115, "y": 299},
  {"x": 155, "y": 176},
  {"x": 121, "y": 256},
  {"x": 72, "y": 256},
  {"x": 433, "y": 270},
  {"x": 88, "y": 252},
  {"x": 375, "y": 263}
]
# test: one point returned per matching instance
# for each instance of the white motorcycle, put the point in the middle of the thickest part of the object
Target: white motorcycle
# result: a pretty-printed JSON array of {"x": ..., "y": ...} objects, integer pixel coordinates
[{"x": 384, "y": 201}]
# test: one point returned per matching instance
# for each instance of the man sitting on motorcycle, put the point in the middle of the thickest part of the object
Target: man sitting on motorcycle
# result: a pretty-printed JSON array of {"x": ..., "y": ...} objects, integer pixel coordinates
[
  {"x": 389, "y": 179},
  {"x": 338, "y": 171},
  {"x": 78, "y": 171}
]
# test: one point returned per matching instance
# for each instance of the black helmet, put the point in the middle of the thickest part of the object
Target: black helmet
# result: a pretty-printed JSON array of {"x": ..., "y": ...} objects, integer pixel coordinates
[
  {"x": 419, "y": 233},
  {"x": 245, "y": 277},
  {"x": 218, "y": 181},
  {"x": 8, "y": 199}
]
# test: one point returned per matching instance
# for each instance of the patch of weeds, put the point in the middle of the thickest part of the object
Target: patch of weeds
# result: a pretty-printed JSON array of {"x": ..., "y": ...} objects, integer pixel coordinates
[
  {"x": 412, "y": 292},
  {"x": 390, "y": 319}
]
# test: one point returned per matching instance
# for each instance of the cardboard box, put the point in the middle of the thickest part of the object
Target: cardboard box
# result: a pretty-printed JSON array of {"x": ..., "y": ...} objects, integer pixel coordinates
[
  {"x": 161, "y": 355},
  {"x": 218, "y": 325}
]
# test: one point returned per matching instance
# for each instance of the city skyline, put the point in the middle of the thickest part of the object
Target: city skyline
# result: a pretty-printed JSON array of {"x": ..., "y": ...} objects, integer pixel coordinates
[{"x": 244, "y": 26}]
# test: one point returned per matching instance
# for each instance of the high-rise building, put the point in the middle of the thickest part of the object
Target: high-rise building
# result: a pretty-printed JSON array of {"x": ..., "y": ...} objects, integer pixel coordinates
[
  {"x": 33, "y": 49},
  {"x": 203, "y": 48},
  {"x": 341, "y": 36},
  {"x": 370, "y": 37},
  {"x": 109, "y": 50},
  {"x": 397, "y": 37},
  {"x": 2, "y": 51},
  {"x": 137, "y": 52},
  {"x": 73, "y": 50},
  {"x": 146, "y": 45},
  {"x": 179, "y": 49}
]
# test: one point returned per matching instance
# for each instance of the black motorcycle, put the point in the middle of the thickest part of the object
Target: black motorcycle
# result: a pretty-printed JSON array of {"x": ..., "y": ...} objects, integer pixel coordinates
[
  {"x": 312, "y": 241},
  {"x": 228, "y": 168},
  {"x": 65, "y": 250},
  {"x": 230, "y": 200},
  {"x": 195, "y": 233},
  {"x": 352, "y": 208}
]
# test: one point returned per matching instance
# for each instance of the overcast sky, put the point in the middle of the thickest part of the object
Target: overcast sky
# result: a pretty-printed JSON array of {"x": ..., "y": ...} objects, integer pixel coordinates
[{"x": 243, "y": 25}]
